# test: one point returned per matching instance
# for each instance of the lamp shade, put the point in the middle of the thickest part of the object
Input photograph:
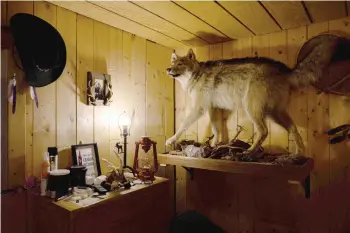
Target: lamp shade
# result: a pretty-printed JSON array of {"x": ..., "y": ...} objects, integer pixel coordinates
[{"x": 124, "y": 123}]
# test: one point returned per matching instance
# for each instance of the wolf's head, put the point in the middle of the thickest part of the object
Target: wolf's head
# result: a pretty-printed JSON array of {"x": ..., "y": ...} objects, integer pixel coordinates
[{"x": 183, "y": 66}]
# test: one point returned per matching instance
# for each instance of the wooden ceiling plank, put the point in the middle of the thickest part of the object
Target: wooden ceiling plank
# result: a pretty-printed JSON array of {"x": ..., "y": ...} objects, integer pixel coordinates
[
  {"x": 252, "y": 14},
  {"x": 177, "y": 15},
  {"x": 214, "y": 15},
  {"x": 99, "y": 14},
  {"x": 321, "y": 11},
  {"x": 134, "y": 12},
  {"x": 288, "y": 14}
]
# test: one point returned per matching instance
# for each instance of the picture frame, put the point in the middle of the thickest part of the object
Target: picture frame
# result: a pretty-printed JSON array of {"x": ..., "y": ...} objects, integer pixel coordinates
[
  {"x": 87, "y": 155},
  {"x": 99, "y": 89}
]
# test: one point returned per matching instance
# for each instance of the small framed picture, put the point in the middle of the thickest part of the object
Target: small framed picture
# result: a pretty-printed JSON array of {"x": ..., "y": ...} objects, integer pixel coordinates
[
  {"x": 87, "y": 155},
  {"x": 99, "y": 89}
]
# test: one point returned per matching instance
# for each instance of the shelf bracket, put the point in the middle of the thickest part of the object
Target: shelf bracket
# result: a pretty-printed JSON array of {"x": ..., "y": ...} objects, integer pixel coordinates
[
  {"x": 190, "y": 171},
  {"x": 307, "y": 188}
]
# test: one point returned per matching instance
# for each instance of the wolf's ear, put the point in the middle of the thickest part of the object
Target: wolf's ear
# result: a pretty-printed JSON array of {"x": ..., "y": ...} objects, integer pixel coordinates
[
  {"x": 173, "y": 56},
  {"x": 191, "y": 54}
]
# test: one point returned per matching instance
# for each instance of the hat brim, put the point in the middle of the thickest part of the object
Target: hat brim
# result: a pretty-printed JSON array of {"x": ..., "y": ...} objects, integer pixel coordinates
[{"x": 33, "y": 38}]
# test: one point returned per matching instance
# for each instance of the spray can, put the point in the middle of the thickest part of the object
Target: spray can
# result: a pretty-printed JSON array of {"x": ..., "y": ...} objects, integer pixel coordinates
[{"x": 53, "y": 158}]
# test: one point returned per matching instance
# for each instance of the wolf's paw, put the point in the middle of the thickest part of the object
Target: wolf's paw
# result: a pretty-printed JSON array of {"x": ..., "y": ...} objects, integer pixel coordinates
[
  {"x": 170, "y": 141},
  {"x": 248, "y": 156}
]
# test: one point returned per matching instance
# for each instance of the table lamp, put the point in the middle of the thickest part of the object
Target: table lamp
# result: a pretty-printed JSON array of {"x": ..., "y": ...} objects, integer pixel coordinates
[{"x": 124, "y": 123}]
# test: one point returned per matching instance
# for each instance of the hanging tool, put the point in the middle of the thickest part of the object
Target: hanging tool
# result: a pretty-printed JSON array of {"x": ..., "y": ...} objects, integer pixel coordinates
[{"x": 339, "y": 133}]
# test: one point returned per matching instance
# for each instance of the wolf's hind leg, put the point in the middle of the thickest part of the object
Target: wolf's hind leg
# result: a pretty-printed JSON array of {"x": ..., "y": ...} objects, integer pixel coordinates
[
  {"x": 261, "y": 128},
  {"x": 254, "y": 107},
  {"x": 282, "y": 118},
  {"x": 194, "y": 114},
  {"x": 216, "y": 125}
]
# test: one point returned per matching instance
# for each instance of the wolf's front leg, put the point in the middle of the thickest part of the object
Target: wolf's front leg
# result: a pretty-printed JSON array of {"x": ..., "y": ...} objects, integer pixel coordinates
[
  {"x": 195, "y": 113},
  {"x": 216, "y": 126}
]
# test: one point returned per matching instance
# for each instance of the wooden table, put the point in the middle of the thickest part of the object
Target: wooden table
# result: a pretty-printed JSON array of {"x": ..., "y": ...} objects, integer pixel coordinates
[{"x": 143, "y": 208}]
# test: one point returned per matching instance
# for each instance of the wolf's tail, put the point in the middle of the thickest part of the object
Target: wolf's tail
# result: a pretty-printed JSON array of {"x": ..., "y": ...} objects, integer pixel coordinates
[{"x": 310, "y": 69}]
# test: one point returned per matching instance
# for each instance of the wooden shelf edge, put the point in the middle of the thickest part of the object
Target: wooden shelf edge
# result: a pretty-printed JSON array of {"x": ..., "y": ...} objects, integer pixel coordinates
[{"x": 292, "y": 172}]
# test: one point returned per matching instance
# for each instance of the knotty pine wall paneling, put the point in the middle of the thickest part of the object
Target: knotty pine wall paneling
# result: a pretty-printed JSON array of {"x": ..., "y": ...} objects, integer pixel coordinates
[
  {"x": 63, "y": 118},
  {"x": 19, "y": 136}
]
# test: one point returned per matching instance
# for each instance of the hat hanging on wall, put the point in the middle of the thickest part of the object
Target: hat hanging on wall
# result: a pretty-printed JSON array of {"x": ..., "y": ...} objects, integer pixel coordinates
[
  {"x": 336, "y": 78},
  {"x": 40, "y": 47}
]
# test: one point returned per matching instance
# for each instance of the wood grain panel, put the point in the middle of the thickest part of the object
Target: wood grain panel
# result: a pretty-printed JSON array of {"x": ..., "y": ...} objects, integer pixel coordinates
[
  {"x": 45, "y": 115},
  {"x": 134, "y": 68},
  {"x": 155, "y": 111},
  {"x": 101, "y": 113},
  {"x": 4, "y": 119},
  {"x": 157, "y": 62},
  {"x": 102, "y": 15},
  {"x": 322, "y": 10},
  {"x": 85, "y": 63},
  {"x": 339, "y": 153},
  {"x": 115, "y": 69},
  {"x": 180, "y": 17},
  {"x": 318, "y": 148},
  {"x": 288, "y": 14},
  {"x": 298, "y": 109},
  {"x": 18, "y": 138},
  {"x": 150, "y": 20},
  {"x": 222, "y": 208},
  {"x": 3, "y": 13},
  {"x": 66, "y": 84},
  {"x": 278, "y": 51},
  {"x": 215, "y": 16},
  {"x": 253, "y": 15}
]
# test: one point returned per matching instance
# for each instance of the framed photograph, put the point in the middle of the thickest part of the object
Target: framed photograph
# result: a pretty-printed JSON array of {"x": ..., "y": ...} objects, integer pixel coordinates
[
  {"x": 99, "y": 89},
  {"x": 87, "y": 155}
]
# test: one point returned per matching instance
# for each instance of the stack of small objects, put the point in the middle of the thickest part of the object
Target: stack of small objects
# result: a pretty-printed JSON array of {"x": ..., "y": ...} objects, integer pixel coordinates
[{"x": 233, "y": 151}]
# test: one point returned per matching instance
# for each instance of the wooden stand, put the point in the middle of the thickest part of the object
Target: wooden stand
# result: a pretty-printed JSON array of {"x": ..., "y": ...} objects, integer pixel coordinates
[
  {"x": 300, "y": 173},
  {"x": 143, "y": 208}
]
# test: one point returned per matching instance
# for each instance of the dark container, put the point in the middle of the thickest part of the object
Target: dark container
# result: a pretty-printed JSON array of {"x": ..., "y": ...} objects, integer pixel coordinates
[{"x": 78, "y": 174}]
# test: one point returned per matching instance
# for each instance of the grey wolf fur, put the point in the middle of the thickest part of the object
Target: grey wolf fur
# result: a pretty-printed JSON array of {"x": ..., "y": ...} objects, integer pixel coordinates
[{"x": 261, "y": 86}]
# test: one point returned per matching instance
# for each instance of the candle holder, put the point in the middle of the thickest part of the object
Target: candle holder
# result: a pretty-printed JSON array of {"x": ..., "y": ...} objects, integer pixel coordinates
[{"x": 144, "y": 169}]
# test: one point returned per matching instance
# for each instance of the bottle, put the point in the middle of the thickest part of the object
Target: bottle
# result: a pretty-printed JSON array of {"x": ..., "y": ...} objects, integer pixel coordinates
[
  {"x": 53, "y": 158},
  {"x": 45, "y": 167}
]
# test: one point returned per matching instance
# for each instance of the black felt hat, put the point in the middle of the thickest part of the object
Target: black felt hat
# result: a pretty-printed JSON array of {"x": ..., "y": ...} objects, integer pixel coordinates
[{"x": 40, "y": 47}]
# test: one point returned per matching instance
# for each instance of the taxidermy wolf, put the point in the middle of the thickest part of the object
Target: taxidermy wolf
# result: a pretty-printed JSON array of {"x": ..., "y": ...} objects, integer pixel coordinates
[{"x": 261, "y": 86}]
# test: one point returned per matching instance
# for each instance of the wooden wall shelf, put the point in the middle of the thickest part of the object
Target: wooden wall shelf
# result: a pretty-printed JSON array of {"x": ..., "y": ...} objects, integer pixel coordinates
[{"x": 300, "y": 173}]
